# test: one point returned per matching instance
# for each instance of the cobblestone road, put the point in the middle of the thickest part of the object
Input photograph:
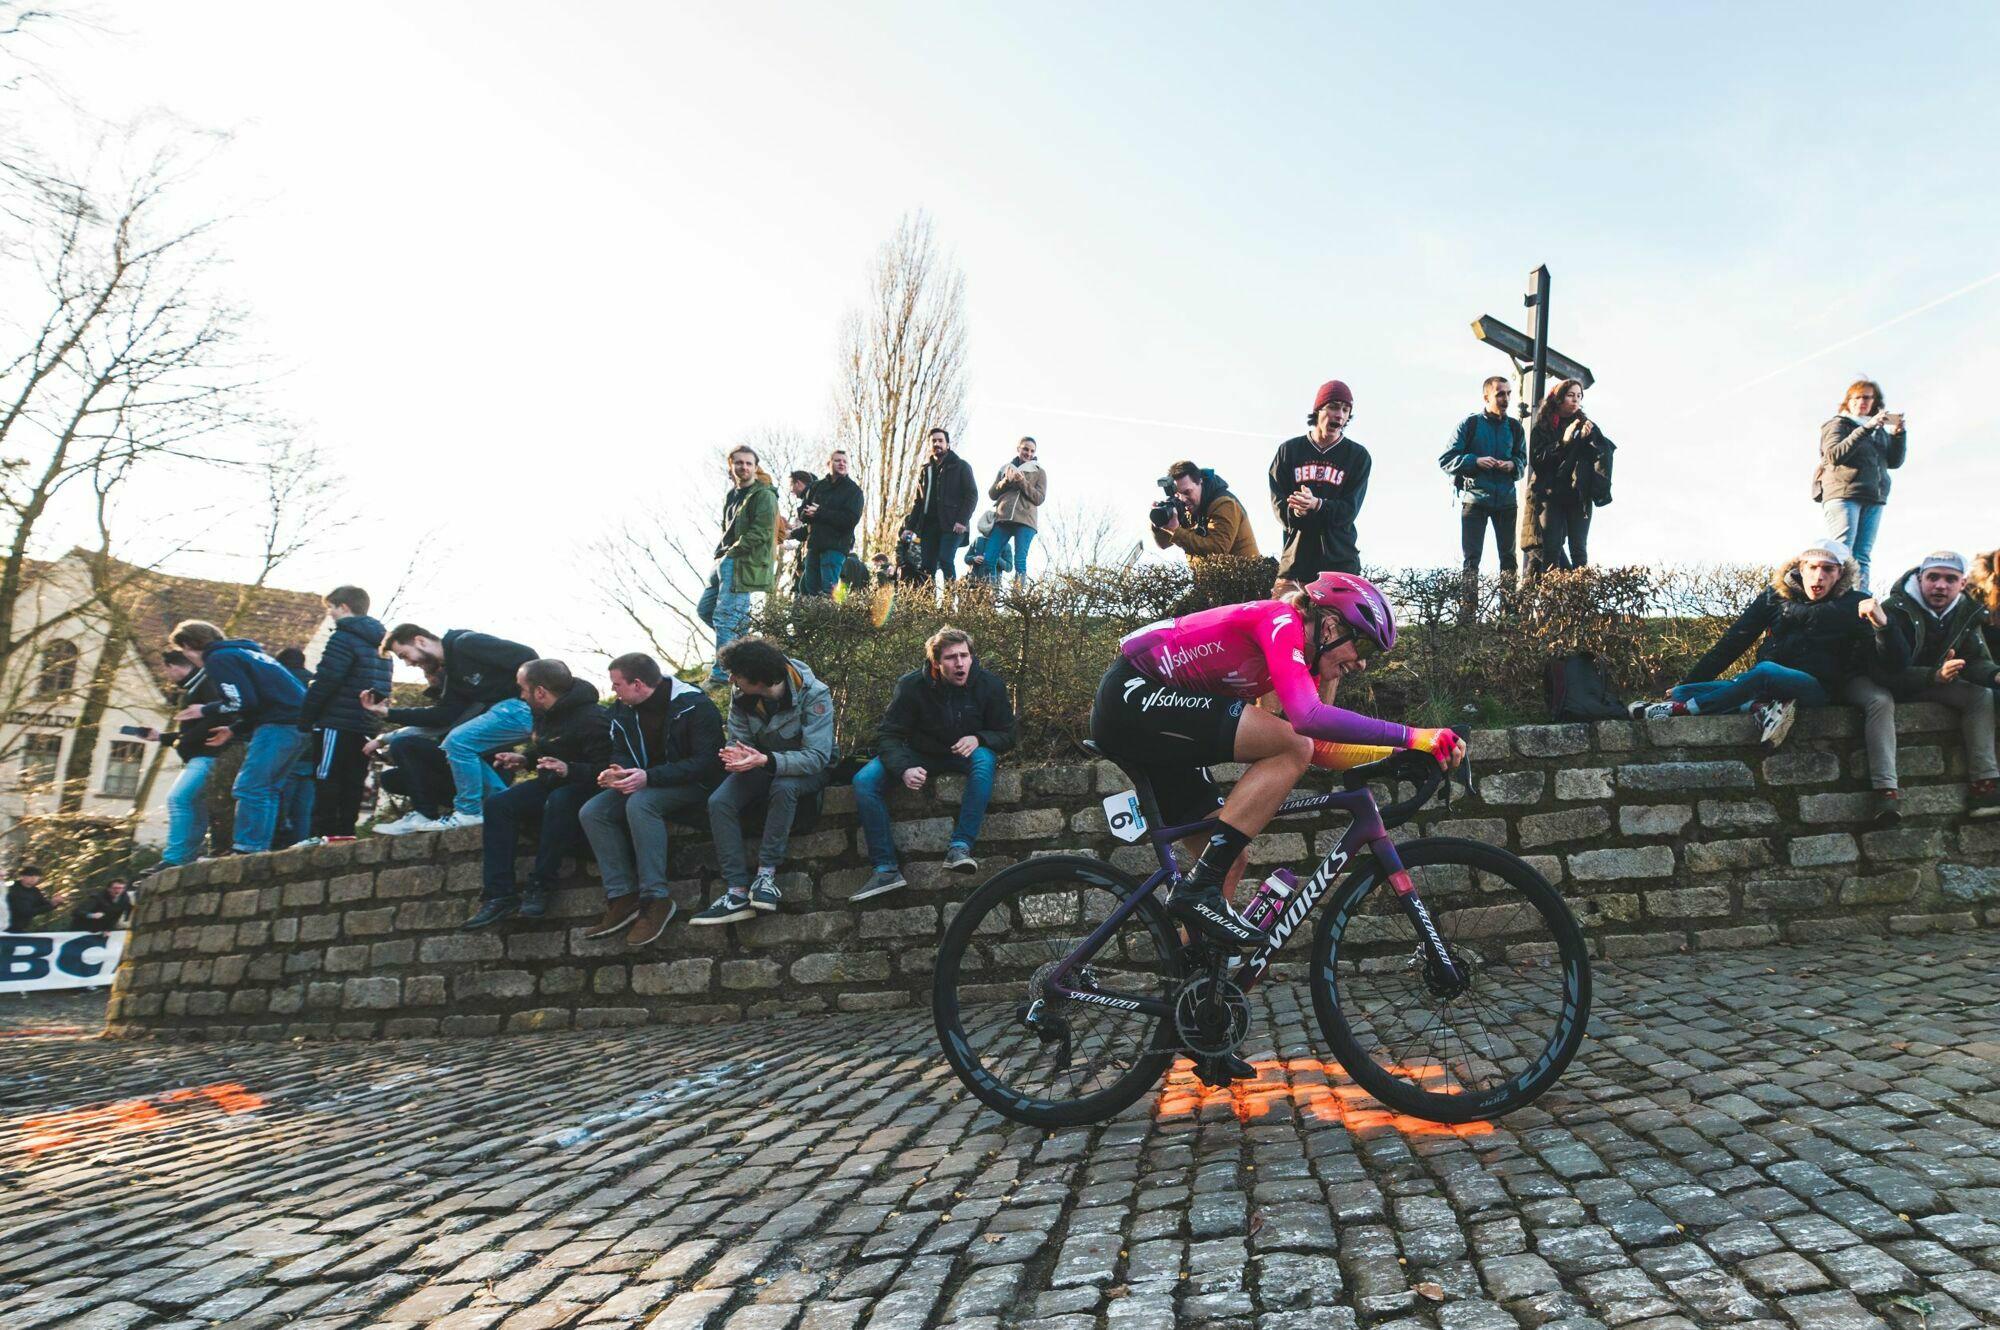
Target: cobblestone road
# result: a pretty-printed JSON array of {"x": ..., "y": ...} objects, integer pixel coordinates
[{"x": 1780, "y": 1138}]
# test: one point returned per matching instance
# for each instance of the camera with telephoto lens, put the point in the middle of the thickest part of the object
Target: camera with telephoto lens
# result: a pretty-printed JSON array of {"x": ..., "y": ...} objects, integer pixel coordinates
[{"x": 1169, "y": 508}]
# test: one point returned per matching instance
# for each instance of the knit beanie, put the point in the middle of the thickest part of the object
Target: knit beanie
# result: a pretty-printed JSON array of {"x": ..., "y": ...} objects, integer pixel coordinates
[{"x": 1333, "y": 390}]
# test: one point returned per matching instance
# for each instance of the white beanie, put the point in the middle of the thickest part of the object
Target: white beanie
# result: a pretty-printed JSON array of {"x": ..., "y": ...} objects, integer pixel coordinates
[{"x": 1828, "y": 546}]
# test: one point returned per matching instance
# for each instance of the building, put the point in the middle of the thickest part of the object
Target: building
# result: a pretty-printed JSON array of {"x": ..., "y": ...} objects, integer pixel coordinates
[{"x": 48, "y": 690}]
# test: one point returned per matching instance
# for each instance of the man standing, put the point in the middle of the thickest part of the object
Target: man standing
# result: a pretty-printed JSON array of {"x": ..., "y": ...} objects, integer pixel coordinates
[
  {"x": 779, "y": 755},
  {"x": 942, "y": 514},
  {"x": 952, "y": 715},
  {"x": 1485, "y": 460},
  {"x": 337, "y": 725},
  {"x": 259, "y": 698},
  {"x": 570, "y": 745},
  {"x": 1216, "y": 525},
  {"x": 25, "y": 901},
  {"x": 1018, "y": 493},
  {"x": 746, "y": 556},
  {"x": 1318, "y": 482},
  {"x": 665, "y": 737},
  {"x": 197, "y": 742},
  {"x": 831, "y": 511},
  {"x": 478, "y": 707},
  {"x": 107, "y": 909}
]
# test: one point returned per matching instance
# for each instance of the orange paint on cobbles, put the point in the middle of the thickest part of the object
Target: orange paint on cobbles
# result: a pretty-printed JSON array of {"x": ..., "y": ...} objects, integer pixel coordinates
[
  {"x": 1339, "y": 1101},
  {"x": 130, "y": 1115}
]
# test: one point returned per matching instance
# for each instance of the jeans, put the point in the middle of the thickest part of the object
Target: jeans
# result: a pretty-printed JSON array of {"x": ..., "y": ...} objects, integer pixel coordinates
[
  {"x": 419, "y": 771},
  {"x": 723, "y": 610},
  {"x": 553, "y": 804},
  {"x": 939, "y": 551},
  {"x": 1565, "y": 524},
  {"x": 1973, "y": 702},
  {"x": 267, "y": 762},
  {"x": 1017, "y": 535},
  {"x": 465, "y": 748},
  {"x": 628, "y": 834},
  {"x": 739, "y": 793},
  {"x": 1472, "y": 523},
  {"x": 1853, "y": 524},
  {"x": 187, "y": 811},
  {"x": 1762, "y": 682},
  {"x": 822, "y": 573},
  {"x": 872, "y": 783},
  {"x": 295, "y": 806}
]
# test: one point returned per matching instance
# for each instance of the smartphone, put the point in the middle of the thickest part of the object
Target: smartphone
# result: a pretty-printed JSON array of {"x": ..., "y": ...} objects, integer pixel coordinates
[
  {"x": 136, "y": 731},
  {"x": 370, "y": 695}
]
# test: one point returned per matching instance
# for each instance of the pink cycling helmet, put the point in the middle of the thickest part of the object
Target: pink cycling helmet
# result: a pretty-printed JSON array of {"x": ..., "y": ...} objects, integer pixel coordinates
[{"x": 1360, "y": 606}]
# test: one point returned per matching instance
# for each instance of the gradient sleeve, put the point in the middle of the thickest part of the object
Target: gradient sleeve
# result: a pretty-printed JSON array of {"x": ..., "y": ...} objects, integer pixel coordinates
[{"x": 1282, "y": 637}]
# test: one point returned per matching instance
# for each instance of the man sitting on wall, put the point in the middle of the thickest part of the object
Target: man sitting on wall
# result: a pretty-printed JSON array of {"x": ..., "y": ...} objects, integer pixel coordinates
[{"x": 952, "y": 715}]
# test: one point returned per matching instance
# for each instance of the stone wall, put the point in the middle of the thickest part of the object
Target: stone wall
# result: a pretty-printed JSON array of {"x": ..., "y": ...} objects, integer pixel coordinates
[{"x": 1666, "y": 836}]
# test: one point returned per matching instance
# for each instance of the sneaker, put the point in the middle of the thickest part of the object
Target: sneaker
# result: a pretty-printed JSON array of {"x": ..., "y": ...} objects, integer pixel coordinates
[
  {"x": 730, "y": 907},
  {"x": 1658, "y": 710},
  {"x": 490, "y": 913},
  {"x": 884, "y": 881},
  {"x": 764, "y": 893},
  {"x": 1983, "y": 799},
  {"x": 452, "y": 821},
  {"x": 1885, "y": 807},
  {"x": 1216, "y": 1072},
  {"x": 1777, "y": 723},
  {"x": 959, "y": 859},
  {"x": 309, "y": 842},
  {"x": 1202, "y": 907},
  {"x": 619, "y": 912},
  {"x": 652, "y": 920},
  {"x": 408, "y": 822},
  {"x": 534, "y": 903}
]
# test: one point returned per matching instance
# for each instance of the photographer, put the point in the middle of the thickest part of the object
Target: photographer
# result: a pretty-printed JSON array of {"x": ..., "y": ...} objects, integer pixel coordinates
[
  {"x": 1201, "y": 516},
  {"x": 1858, "y": 449}
]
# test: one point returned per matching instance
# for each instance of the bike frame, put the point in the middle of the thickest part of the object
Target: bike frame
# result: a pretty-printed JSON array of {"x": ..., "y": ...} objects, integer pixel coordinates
[{"x": 1366, "y": 831}]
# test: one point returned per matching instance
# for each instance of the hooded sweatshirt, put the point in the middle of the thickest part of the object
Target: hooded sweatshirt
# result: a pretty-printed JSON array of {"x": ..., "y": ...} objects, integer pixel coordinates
[
  {"x": 576, "y": 731},
  {"x": 478, "y": 675},
  {"x": 1827, "y": 639},
  {"x": 1322, "y": 539},
  {"x": 351, "y": 664},
  {"x": 1929, "y": 635},
  {"x": 1218, "y": 525},
  {"x": 255, "y": 689}
]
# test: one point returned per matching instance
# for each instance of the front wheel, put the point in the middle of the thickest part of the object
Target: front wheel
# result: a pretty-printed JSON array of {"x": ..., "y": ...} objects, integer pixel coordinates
[{"x": 1447, "y": 1052}]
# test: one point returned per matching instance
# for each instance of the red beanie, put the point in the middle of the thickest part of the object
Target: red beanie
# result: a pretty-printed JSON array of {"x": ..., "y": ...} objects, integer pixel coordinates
[{"x": 1333, "y": 390}]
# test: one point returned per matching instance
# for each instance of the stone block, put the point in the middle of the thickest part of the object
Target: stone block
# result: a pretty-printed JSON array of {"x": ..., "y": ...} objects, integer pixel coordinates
[
  {"x": 1617, "y": 736},
  {"x": 841, "y": 967},
  {"x": 543, "y": 945},
  {"x": 207, "y": 1004},
  {"x": 1736, "y": 814},
  {"x": 374, "y": 993},
  {"x": 837, "y": 801},
  {"x": 759, "y": 973},
  {"x": 299, "y": 895},
  {"x": 1822, "y": 808},
  {"x": 1548, "y": 865},
  {"x": 429, "y": 915},
  {"x": 319, "y": 928},
  {"x": 368, "y": 923},
  {"x": 608, "y": 1018},
  {"x": 918, "y": 921},
  {"x": 342, "y": 960},
  {"x": 1810, "y": 929},
  {"x": 407, "y": 882},
  {"x": 1688, "y": 902},
  {"x": 1611, "y": 907},
  {"x": 1904, "y": 843},
  {"x": 1924, "y": 718},
  {"x": 1552, "y": 740},
  {"x": 1027, "y": 824},
  {"x": 1488, "y": 745},
  {"x": 1932, "y": 923},
  {"x": 216, "y": 939},
  {"x": 287, "y": 1001},
  {"x": 1513, "y": 787},
  {"x": 1570, "y": 825},
  {"x": 1654, "y": 819},
  {"x": 1787, "y": 893},
  {"x": 819, "y": 928},
  {"x": 503, "y": 984},
  {"x": 1703, "y": 731},
  {"x": 410, "y": 1027},
  {"x": 460, "y": 947},
  {"x": 1748, "y": 935},
  {"x": 1719, "y": 856},
  {"x": 536, "y": 1018},
  {"x": 323, "y": 993},
  {"x": 1064, "y": 781},
  {"x": 1617, "y": 865},
  {"x": 1979, "y": 838},
  {"x": 1633, "y": 945},
  {"x": 1834, "y": 848},
  {"x": 350, "y": 887},
  {"x": 827, "y": 843},
  {"x": 1828, "y": 723},
  {"x": 873, "y": 1001},
  {"x": 1892, "y": 888},
  {"x": 424, "y": 990},
  {"x": 1490, "y": 830},
  {"x": 420, "y": 848},
  {"x": 672, "y": 978},
  {"x": 390, "y": 955},
  {"x": 1583, "y": 783},
  {"x": 454, "y": 1026},
  {"x": 1657, "y": 776},
  {"x": 560, "y": 981},
  {"x": 1933, "y": 800},
  {"x": 253, "y": 932},
  {"x": 1968, "y": 882}
]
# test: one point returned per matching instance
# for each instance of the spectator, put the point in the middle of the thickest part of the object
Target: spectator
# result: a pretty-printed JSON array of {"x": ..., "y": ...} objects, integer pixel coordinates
[
  {"x": 295, "y": 805},
  {"x": 792, "y": 534},
  {"x": 570, "y": 744},
  {"x": 746, "y": 555},
  {"x": 1018, "y": 493},
  {"x": 975, "y": 562},
  {"x": 197, "y": 742},
  {"x": 1318, "y": 482},
  {"x": 1985, "y": 588},
  {"x": 25, "y": 901},
  {"x": 1948, "y": 663},
  {"x": 1817, "y": 632},
  {"x": 417, "y": 773},
  {"x": 830, "y": 512},
  {"x": 1858, "y": 449},
  {"x": 779, "y": 755},
  {"x": 1569, "y": 476},
  {"x": 665, "y": 737},
  {"x": 951, "y": 715},
  {"x": 1485, "y": 458},
  {"x": 107, "y": 908},
  {"x": 260, "y": 698},
  {"x": 478, "y": 709},
  {"x": 1208, "y": 520},
  {"x": 337, "y": 725},
  {"x": 942, "y": 513}
]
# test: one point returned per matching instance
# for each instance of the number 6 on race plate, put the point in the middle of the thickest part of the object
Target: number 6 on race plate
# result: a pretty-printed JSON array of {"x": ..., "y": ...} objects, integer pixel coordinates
[{"x": 1121, "y": 811}]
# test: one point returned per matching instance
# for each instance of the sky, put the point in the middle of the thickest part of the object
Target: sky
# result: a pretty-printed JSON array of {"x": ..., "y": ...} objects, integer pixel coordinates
[{"x": 529, "y": 271}]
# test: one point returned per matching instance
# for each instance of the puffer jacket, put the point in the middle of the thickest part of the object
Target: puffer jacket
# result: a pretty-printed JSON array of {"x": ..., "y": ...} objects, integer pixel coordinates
[
  {"x": 575, "y": 730},
  {"x": 796, "y": 733},
  {"x": 1855, "y": 461},
  {"x": 1827, "y": 639},
  {"x": 926, "y": 716},
  {"x": 1929, "y": 636},
  {"x": 350, "y": 664}
]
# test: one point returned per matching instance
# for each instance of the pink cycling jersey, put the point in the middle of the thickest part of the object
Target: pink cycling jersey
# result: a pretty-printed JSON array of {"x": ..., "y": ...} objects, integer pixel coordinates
[{"x": 1247, "y": 651}]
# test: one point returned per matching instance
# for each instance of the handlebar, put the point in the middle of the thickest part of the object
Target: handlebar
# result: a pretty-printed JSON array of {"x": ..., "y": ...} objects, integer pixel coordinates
[{"x": 1412, "y": 767}]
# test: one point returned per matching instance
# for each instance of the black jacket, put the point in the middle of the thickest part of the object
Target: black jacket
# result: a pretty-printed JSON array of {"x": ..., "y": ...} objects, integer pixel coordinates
[
  {"x": 1322, "y": 540},
  {"x": 351, "y": 663},
  {"x": 101, "y": 914},
  {"x": 674, "y": 736},
  {"x": 1575, "y": 472},
  {"x": 192, "y": 739},
  {"x": 1827, "y": 639},
  {"x": 831, "y": 529},
  {"x": 575, "y": 730},
  {"x": 25, "y": 904},
  {"x": 946, "y": 496},
  {"x": 926, "y": 716},
  {"x": 1855, "y": 461},
  {"x": 478, "y": 674},
  {"x": 1928, "y": 636}
]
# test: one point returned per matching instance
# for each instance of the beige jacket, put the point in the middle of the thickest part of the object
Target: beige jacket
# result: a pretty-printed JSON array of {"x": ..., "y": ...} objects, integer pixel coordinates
[{"x": 1020, "y": 499}]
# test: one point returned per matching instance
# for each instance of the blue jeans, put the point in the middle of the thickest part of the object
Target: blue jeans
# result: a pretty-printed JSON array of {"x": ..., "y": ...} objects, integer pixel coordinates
[
  {"x": 1762, "y": 682},
  {"x": 1006, "y": 547},
  {"x": 822, "y": 573},
  {"x": 267, "y": 764},
  {"x": 1853, "y": 524},
  {"x": 295, "y": 806},
  {"x": 187, "y": 811},
  {"x": 723, "y": 610},
  {"x": 939, "y": 551},
  {"x": 873, "y": 782},
  {"x": 553, "y": 805},
  {"x": 466, "y": 747}
]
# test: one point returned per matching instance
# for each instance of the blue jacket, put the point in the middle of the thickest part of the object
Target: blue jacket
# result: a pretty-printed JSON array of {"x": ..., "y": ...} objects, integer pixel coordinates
[
  {"x": 256, "y": 690},
  {"x": 351, "y": 663},
  {"x": 1486, "y": 488}
]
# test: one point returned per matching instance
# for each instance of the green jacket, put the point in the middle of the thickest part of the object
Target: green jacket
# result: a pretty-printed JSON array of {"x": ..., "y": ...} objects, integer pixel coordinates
[
  {"x": 750, "y": 534},
  {"x": 1929, "y": 634}
]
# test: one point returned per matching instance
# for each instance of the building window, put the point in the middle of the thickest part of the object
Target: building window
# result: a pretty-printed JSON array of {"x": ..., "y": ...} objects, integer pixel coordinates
[
  {"x": 41, "y": 755},
  {"x": 122, "y": 772},
  {"x": 58, "y": 674}
]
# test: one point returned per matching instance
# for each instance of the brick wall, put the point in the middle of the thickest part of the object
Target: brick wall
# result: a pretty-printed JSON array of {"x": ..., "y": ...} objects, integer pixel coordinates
[{"x": 1669, "y": 836}]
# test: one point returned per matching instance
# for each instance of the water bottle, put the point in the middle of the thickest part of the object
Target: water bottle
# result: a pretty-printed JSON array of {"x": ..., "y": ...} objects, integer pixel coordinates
[{"x": 1269, "y": 903}]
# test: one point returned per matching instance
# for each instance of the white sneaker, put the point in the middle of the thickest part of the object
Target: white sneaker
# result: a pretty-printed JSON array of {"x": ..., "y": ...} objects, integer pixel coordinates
[
  {"x": 408, "y": 822},
  {"x": 1776, "y": 723},
  {"x": 451, "y": 820}
]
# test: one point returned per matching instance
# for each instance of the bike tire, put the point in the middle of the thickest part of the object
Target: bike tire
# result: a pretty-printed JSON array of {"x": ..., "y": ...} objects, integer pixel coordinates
[
  {"x": 1350, "y": 963},
  {"x": 971, "y": 1000}
]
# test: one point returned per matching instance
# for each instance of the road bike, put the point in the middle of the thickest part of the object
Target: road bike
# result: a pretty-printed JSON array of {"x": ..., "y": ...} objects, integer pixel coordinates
[{"x": 1448, "y": 976}]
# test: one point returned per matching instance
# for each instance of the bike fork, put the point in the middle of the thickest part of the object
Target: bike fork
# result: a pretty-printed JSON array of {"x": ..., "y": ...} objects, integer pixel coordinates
[{"x": 1419, "y": 913}]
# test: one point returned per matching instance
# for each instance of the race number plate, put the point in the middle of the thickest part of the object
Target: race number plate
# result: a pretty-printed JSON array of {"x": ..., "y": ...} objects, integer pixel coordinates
[{"x": 1121, "y": 811}]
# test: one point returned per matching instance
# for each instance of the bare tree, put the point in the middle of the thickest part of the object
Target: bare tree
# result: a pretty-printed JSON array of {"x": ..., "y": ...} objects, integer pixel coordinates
[
  {"x": 1080, "y": 535},
  {"x": 299, "y": 510},
  {"x": 902, "y": 371}
]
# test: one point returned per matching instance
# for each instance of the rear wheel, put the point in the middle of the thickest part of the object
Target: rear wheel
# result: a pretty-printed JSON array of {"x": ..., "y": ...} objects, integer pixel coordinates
[
  {"x": 1033, "y": 1055},
  {"x": 1441, "y": 1051}
]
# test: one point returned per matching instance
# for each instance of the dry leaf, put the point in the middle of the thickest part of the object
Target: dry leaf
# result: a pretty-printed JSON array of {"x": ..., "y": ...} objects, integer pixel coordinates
[{"x": 1435, "y": 1292}]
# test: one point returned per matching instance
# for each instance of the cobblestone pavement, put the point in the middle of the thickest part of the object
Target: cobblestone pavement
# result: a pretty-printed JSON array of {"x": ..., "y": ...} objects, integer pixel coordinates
[{"x": 1775, "y": 1138}]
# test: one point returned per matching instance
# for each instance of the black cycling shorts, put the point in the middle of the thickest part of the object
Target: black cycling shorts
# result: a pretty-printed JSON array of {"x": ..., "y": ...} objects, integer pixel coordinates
[{"x": 1173, "y": 734}]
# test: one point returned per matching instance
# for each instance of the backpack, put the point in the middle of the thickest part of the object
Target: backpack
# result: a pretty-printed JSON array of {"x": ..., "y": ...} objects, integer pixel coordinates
[
  {"x": 1600, "y": 473},
  {"x": 1576, "y": 690}
]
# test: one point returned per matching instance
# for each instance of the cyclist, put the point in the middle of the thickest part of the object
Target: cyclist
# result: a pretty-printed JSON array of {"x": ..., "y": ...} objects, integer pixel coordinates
[{"x": 1177, "y": 700}]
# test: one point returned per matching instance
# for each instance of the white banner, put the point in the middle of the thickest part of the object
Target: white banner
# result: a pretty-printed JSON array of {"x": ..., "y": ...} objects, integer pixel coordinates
[{"x": 30, "y": 962}]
